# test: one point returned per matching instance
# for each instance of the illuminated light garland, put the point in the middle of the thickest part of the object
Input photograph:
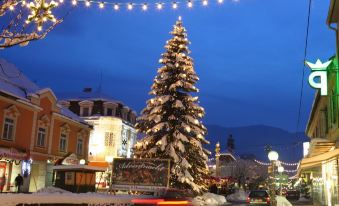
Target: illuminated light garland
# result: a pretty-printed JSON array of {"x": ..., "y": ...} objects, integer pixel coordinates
[
  {"x": 281, "y": 162},
  {"x": 144, "y": 7},
  {"x": 159, "y": 6},
  {"x": 289, "y": 164},
  {"x": 175, "y": 5},
  {"x": 290, "y": 171},
  {"x": 116, "y": 7},
  {"x": 87, "y": 3},
  {"x": 262, "y": 163},
  {"x": 130, "y": 6},
  {"x": 101, "y": 5},
  {"x": 189, "y": 4}
]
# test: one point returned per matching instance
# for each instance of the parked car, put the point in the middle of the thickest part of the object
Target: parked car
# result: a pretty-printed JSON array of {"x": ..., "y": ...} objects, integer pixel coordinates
[
  {"x": 292, "y": 194},
  {"x": 167, "y": 197},
  {"x": 258, "y": 197}
]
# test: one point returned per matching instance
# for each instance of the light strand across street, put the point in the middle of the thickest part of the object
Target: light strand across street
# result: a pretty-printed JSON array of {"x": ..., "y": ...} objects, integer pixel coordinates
[
  {"x": 130, "y": 5},
  {"x": 281, "y": 162}
]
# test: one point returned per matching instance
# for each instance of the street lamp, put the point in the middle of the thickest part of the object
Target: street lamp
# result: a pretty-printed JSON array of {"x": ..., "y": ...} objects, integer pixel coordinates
[
  {"x": 280, "y": 170},
  {"x": 273, "y": 157}
]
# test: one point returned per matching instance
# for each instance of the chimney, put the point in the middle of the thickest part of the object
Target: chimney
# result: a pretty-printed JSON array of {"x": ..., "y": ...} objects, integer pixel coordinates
[{"x": 87, "y": 90}]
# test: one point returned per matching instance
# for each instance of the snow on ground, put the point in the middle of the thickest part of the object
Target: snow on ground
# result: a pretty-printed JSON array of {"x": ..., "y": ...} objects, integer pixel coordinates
[
  {"x": 238, "y": 196},
  {"x": 209, "y": 199},
  {"x": 12, "y": 199},
  {"x": 282, "y": 201},
  {"x": 52, "y": 190}
]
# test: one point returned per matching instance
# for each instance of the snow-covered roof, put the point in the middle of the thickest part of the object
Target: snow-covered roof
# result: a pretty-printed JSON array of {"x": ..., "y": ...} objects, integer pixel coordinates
[
  {"x": 14, "y": 83},
  {"x": 79, "y": 167},
  {"x": 93, "y": 95},
  {"x": 68, "y": 113}
]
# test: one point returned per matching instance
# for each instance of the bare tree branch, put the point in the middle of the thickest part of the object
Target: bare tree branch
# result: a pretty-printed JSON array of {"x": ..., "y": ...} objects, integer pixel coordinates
[{"x": 16, "y": 27}]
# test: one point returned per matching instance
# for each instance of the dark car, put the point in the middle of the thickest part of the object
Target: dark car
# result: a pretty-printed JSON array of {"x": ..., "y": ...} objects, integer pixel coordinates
[
  {"x": 258, "y": 197},
  {"x": 168, "y": 197},
  {"x": 292, "y": 194}
]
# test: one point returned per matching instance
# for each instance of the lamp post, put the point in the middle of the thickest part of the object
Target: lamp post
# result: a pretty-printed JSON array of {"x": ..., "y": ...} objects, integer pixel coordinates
[
  {"x": 280, "y": 170},
  {"x": 273, "y": 157}
]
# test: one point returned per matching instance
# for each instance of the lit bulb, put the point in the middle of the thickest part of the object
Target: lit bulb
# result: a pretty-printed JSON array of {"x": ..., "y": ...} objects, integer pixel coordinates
[
  {"x": 174, "y": 5},
  {"x": 44, "y": 19},
  {"x": 101, "y": 5},
  {"x": 205, "y": 2},
  {"x": 116, "y": 6},
  {"x": 189, "y": 4},
  {"x": 159, "y": 6},
  {"x": 11, "y": 7},
  {"x": 74, "y": 2},
  {"x": 23, "y": 3},
  {"x": 220, "y": 1},
  {"x": 39, "y": 28},
  {"x": 130, "y": 6},
  {"x": 144, "y": 7},
  {"x": 61, "y": 1},
  {"x": 88, "y": 3}
]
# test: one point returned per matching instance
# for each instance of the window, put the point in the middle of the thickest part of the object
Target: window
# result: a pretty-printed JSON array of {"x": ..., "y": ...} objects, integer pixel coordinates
[
  {"x": 109, "y": 139},
  {"x": 63, "y": 143},
  {"x": 85, "y": 111},
  {"x": 80, "y": 146},
  {"x": 109, "y": 112},
  {"x": 8, "y": 133},
  {"x": 41, "y": 137}
]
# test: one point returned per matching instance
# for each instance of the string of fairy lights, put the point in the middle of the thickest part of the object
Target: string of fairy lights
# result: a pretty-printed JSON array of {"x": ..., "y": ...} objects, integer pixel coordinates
[
  {"x": 281, "y": 162},
  {"x": 41, "y": 10}
]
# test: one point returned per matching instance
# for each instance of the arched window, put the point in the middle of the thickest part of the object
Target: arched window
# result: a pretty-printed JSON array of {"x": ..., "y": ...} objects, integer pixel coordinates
[
  {"x": 43, "y": 125},
  {"x": 11, "y": 115}
]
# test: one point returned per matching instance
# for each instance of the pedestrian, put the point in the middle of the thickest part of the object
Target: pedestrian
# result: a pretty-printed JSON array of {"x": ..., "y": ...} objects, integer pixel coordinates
[{"x": 19, "y": 181}]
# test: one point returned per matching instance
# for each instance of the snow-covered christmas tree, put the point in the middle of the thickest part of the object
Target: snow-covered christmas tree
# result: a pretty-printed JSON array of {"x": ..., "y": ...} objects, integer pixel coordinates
[{"x": 171, "y": 120}]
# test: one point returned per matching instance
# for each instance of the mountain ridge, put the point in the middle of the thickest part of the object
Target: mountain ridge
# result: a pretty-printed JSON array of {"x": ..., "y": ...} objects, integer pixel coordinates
[{"x": 252, "y": 139}]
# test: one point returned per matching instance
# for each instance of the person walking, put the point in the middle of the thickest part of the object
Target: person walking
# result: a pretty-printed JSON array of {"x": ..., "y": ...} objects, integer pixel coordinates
[{"x": 19, "y": 181}]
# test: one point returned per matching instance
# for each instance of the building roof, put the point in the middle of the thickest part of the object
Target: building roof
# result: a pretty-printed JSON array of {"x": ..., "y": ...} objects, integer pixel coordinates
[
  {"x": 96, "y": 95},
  {"x": 92, "y": 95},
  {"x": 333, "y": 12},
  {"x": 14, "y": 83}
]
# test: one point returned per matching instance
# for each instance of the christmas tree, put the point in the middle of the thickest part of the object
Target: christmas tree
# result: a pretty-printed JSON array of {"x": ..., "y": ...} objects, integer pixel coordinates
[{"x": 171, "y": 120}]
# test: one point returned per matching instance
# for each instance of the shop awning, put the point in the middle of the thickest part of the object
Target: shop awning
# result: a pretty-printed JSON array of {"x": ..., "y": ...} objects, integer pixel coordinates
[
  {"x": 99, "y": 164},
  {"x": 310, "y": 162},
  {"x": 79, "y": 168}
]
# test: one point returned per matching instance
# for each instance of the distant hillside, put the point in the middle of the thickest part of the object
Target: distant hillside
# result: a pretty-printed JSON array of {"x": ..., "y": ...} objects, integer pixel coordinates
[{"x": 252, "y": 139}]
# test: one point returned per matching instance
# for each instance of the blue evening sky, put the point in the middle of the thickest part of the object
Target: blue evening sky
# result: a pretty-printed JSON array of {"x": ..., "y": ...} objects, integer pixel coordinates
[{"x": 248, "y": 55}]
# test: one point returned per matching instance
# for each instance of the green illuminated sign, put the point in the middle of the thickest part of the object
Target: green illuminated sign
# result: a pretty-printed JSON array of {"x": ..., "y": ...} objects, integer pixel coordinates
[{"x": 319, "y": 70}]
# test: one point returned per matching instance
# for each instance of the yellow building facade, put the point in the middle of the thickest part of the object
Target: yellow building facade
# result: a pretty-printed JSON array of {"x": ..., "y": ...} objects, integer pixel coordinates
[{"x": 319, "y": 169}]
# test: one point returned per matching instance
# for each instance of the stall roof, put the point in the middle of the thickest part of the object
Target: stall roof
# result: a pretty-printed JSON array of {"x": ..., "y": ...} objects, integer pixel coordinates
[{"x": 79, "y": 168}]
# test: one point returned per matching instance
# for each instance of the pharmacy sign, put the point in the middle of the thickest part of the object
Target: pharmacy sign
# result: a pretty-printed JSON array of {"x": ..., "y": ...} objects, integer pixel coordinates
[{"x": 319, "y": 71}]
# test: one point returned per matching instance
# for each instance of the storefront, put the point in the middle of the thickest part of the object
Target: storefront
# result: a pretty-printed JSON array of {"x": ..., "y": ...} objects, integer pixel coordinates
[
  {"x": 12, "y": 163},
  {"x": 321, "y": 172}
]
